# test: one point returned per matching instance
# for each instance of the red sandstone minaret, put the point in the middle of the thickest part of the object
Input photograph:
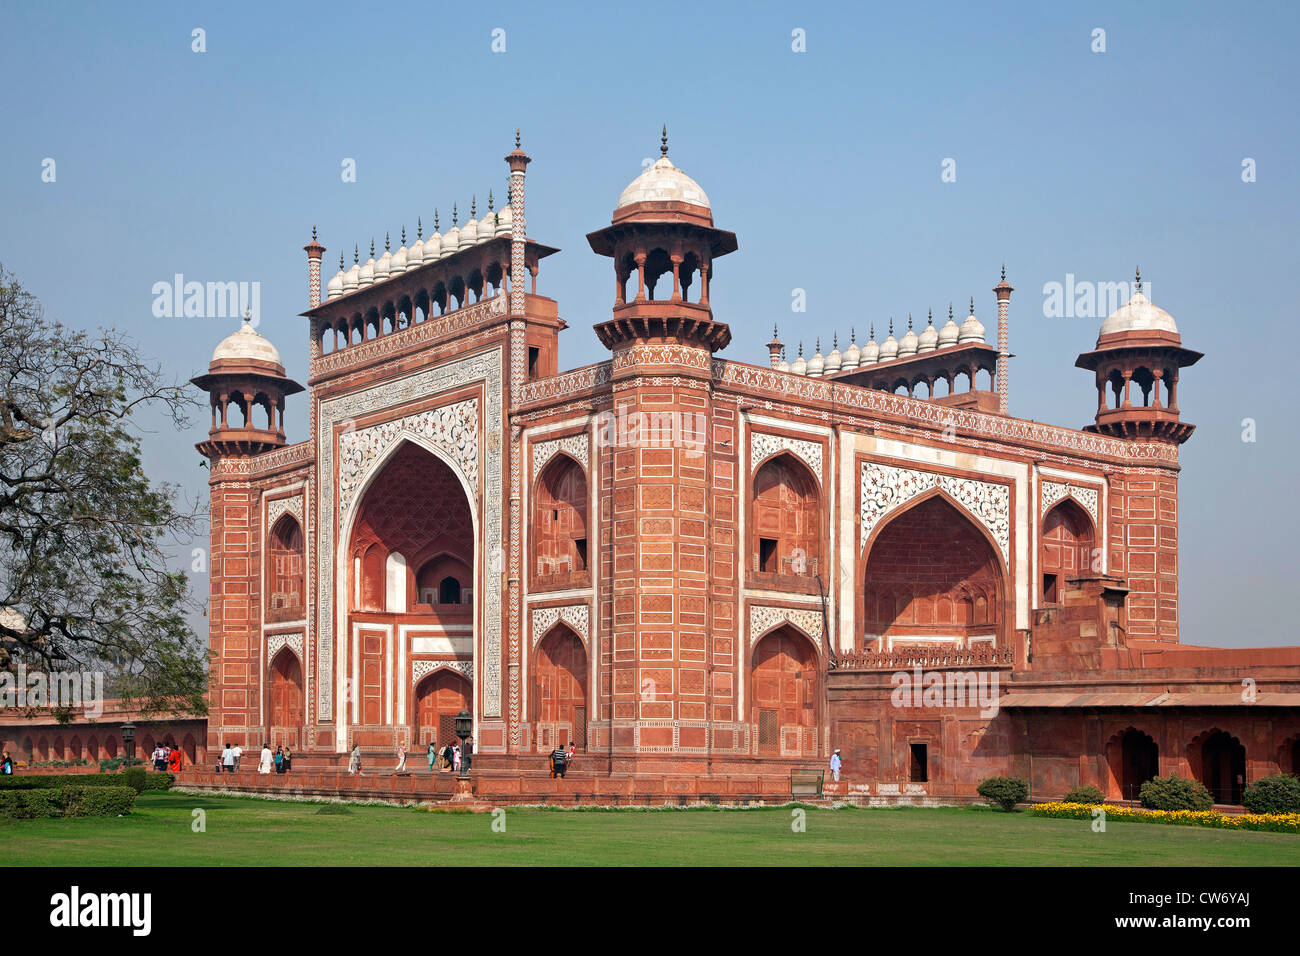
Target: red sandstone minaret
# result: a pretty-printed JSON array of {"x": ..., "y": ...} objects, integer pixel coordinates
[
  {"x": 314, "y": 252},
  {"x": 1003, "y": 291},
  {"x": 774, "y": 349},
  {"x": 1139, "y": 344}
]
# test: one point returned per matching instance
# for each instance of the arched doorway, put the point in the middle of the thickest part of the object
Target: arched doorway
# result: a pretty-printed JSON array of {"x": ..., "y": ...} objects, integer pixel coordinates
[
  {"x": 786, "y": 519},
  {"x": 560, "y": 690},
  {"x": 1067, "y": 544},
  {"x": 784, "y": 695},
  {"x": 286, "y": 710},
  {"x": 560, "y": 524},
  {"x": 439, "y": 697},
  {"x": 412, "y": 561},
  {"x": 285, "y": 594},
  {"x": 1134, "y": 759},
  {"x": 932, "y": 576},
  {"x": 1218, "y": 760}
]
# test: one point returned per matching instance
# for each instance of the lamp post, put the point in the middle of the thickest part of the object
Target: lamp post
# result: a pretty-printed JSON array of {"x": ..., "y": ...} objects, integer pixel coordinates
[
  {"x": 128, "y": 740},
  {"x": 464, "y": 728}
]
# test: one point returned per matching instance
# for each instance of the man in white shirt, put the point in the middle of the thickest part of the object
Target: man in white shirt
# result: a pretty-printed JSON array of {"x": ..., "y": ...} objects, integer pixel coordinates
[
  {"x": 228, "y": 759},
  {"x": 835, "y": 765},
  {"x": 239, "y": 752}
]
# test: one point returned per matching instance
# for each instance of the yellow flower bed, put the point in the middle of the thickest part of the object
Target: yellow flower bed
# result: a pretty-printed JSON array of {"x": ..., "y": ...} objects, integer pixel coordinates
[{"x": 1269, "y": 822}]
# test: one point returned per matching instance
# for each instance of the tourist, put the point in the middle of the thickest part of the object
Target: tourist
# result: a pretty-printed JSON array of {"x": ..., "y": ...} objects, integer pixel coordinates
[
  {"x": 288, "y": 758},
  {"x": 239, "y": 752},
  {"x": 174, "y": 760},
  {"x": 401, "y": 759},
  {"x": 568, "y": 757},
  {"x": 7, "y": 764},
  {"x": 835, "y": 765},
  {"x": 446, "y": 757},
  {"x": 228, "y": 759},
  {"x": 279, "y": 760},
  {"x": 354, "y": 764},
  {"x": 264, "y": 759},
  {"x": 433, "y": 755},
  {"x": 467, "y": 755},
  {"x": 455, "y": 758},
  {"x": 559, "y": 761},
  {"x": 159, "y": 760}
]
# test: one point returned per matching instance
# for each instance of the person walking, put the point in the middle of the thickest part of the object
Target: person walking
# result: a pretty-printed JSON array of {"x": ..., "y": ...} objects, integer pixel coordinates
[
  {"x": 288, "y": 758},
  {"x": 174, "y": 760},
  {"x": 264, "y": 759},
  {"x": 446, "y": 757},
  {"x": 354, "y": 764},
  {"x": 559, "y": 763},
  {"x": 239, "y": 753},
  {"x": 228, "y": 759},
  {"x": 158, "y": 760},
  {"x": 279, "y": 760},
  {"x": 836, "y": 763},
  {"x": 401, "y": 759},
  {"x": 455, "y": 758},
  {"x": 6, "y": 765},
  {"x": 433, "y": 755}
]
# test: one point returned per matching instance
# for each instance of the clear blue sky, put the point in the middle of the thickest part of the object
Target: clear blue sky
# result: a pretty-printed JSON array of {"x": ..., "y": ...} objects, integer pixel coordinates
[{"x": 825, "y": 163}]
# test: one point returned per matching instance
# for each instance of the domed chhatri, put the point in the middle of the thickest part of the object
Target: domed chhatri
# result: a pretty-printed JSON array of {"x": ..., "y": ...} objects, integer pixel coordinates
[
  {"x": 246, "y": 344},
  {"x": 663, "y": 242},
  {"x": 1138, "y": 314}
]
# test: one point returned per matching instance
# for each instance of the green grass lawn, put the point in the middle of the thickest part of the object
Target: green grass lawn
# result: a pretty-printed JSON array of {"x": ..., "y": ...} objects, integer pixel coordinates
[{"x": 250, "y": 832}]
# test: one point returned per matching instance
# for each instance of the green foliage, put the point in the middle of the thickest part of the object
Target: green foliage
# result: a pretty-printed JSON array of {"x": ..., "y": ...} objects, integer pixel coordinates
[
  {"x": 1086, "y": 793},
  {"x": 66, "y": 801},
  {"x": 1276, "y": 793},
  {"x": 151, "y": 781},
  {"x": 1175, "y": 793},
  {"x": 84, "y": 571},
  {"x": 1004, "y": 792},
  {"x": 135, "y": 779}
]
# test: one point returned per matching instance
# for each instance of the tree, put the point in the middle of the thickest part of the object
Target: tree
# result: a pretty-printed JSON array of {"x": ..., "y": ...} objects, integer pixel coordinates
[{"x": 84, "y": 581}]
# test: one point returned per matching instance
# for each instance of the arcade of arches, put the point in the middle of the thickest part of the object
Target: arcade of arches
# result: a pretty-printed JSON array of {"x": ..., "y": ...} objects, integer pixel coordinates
[{"x": 932, "y": 575}]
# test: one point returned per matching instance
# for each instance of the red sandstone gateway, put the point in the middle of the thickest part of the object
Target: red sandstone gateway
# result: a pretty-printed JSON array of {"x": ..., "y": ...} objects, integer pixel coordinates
[{"x": 724, "y": 591}]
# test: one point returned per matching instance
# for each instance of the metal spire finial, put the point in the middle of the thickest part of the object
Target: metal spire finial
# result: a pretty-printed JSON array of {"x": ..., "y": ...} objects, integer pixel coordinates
[
  {"x": 435, "y": 218},
  {"x": 490, "y": 200},
  {"x": 516, "y": 137},
  {"x": 372, "y": 248},
  {"x": 972, "y": 305},
  {"x": 419, "y": 228},
  {"x": 356, "y": 255},
  {"x": 1138, "y": 278},
  {"x": 473, "y": 206},
  {"x": 313, "y": 232},
  {"x": 1004, "y": 272},
  {"x": 386, "y": 242},
  {"x": 403, "y": 235},
  {"x": 663, "y": 141},
  {"x": 455, "y": 214}
]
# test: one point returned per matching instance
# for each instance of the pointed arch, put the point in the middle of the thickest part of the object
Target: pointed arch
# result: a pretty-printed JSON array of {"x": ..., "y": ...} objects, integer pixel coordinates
[
  {"x": 962, "y": 594},
  {"x": 785, "y": 694},
  {"x": 786, "y": 518},
  {"x": 1065, "y": 547},
  {"x": 559, "y": 699},
  {"x": 1218, "y": 759},
  {"x": 285, "y": 690},
  {"x": 286, "y": 591},
  {"x": 1132, "y": 758},
  {"x": 559, "y": 528},
  {"x": 439, "y": 696}
]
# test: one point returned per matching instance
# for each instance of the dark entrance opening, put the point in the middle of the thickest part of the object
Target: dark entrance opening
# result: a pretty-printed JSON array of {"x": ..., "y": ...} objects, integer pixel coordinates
[{"x": 920, "y": 763}]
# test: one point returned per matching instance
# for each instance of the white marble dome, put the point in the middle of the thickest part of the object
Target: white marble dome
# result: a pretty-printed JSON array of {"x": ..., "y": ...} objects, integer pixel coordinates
[
  {"x": 852, "y": 354},
  {"x": 835, "y": 360},
  {"x": 663, "y": 182},
  {"x": 367, "y": 276},
  {"x": 246, "y": 344},
  {"x": 468, "y": 234},
  {"x": 950, "y": 332},
  {"x": 433, "y": 247},
  {"x": 889, "y": 348},
  {"x": 800, "y": 365},
  {"x": 972, "y": 330},
  {"x": 928, "y": 340},
  {"x": 909, "y": 343},
  {"x": 335, "y": 287},
  {"x": 505, "y": 219},
  {"x": 450, "y": 243},
  {"x": 816, "y": 364},
  {"x": 871, "y": 351},
  {"x": 383, "y": 265},
  {"x": 352, "y": 278},
  {"x": 398, "y": 264},
  {"x": 415, "y": 254},
  {"x": 1138, "y": 315}
]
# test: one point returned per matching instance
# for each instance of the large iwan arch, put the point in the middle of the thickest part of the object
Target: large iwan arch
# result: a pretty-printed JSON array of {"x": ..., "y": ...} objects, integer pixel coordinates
[{"x": 932, "y": 575}]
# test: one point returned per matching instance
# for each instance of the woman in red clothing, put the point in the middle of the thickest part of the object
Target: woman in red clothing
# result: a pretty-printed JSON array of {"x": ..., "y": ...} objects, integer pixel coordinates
[{"x": 174, "y": 761}]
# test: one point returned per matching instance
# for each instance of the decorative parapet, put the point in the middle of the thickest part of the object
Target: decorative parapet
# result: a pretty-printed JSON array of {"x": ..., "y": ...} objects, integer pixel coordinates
[{"x": 927, "y": 658}]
